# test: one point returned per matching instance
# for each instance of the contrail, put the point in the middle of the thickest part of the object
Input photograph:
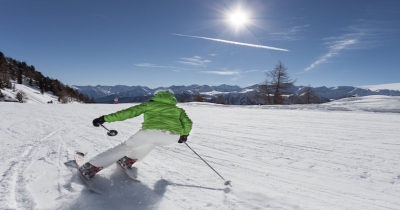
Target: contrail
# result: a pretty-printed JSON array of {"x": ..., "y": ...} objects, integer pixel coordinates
[
  {"x": 333, "y": 50},
  {"x": 237, "y": 43}
]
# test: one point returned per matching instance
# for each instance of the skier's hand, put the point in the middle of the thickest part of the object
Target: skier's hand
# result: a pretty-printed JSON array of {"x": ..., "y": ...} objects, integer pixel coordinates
[
  {"x": 182, "y": 139},
  {"x": 98, "y": 121}
]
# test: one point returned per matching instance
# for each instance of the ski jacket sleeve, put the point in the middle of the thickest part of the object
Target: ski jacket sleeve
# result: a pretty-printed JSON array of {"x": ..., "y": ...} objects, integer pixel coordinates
[
  {"x": 126, "y": 113},
  {"x": 186, "y": 123}
]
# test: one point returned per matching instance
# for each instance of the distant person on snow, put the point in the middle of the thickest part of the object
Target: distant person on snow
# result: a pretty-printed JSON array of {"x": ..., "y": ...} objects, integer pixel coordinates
[{"x": 164, "y": 124}]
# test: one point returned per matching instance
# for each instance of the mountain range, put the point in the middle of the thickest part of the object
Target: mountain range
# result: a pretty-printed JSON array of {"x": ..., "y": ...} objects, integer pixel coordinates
[{"x": 229, "y": 94}]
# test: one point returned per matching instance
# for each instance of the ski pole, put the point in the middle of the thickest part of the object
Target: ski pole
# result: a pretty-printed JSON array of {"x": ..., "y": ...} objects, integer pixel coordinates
[
  {"x": 110, "y": 132},
  {"x": 226, "y": 182}
]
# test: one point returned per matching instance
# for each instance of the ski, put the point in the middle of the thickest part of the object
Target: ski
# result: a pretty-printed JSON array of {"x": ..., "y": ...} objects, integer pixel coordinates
[
  {"x": 131, "y": 173},
  {"x": 80, "y": 160}
]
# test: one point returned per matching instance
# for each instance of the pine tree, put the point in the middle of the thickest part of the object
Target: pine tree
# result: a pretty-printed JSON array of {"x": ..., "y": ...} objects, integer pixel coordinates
[
  {"x": 41, "y": 86},
  {"x": 19, "y": 75},
  {"x": 11, "y": 69}
]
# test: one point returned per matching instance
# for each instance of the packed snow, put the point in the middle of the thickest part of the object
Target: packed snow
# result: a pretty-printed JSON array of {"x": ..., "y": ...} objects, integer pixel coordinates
[
  {"x": 339, "y": 155},
  {"x": 391, "y": 86}
]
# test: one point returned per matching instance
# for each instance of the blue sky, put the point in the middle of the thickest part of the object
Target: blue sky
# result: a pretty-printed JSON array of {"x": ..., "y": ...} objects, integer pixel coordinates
[{"x": 183, "y": 42}]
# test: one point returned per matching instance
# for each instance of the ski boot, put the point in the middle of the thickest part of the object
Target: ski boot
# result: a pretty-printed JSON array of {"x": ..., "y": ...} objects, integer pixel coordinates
[
  {"x": 88, "y": 170},
  {"x": 126, "y": 162}
]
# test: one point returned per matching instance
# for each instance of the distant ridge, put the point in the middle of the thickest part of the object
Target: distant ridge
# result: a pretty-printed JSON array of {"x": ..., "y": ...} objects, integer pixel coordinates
[{"x": 228, "y": 94}]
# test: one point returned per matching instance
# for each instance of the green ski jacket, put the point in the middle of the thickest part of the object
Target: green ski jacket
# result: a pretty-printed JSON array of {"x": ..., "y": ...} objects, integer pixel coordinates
[{"x": 160, "y": 113}]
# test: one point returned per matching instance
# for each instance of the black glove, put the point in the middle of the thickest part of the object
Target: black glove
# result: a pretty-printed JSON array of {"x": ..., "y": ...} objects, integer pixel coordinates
[
  {"x": 98, "y": 121},
  {"x": 182, "y": 139}
]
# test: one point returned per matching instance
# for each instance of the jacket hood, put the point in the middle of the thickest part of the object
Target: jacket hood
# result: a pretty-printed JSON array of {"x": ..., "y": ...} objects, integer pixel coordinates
[{"x": 165, "y": 97}]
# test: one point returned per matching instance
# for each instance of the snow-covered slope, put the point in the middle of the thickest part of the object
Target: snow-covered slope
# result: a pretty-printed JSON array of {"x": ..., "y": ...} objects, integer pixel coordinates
[
  {"x": 374, "y": 103},
  {"x": 32, "y": 94},
  {"x": 277, "y": 157},
  {"x": 391, "y": 86}
]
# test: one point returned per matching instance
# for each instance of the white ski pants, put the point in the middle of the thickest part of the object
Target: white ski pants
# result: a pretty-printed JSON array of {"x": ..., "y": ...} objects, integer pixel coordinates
[{"x": 137, "y": 146}]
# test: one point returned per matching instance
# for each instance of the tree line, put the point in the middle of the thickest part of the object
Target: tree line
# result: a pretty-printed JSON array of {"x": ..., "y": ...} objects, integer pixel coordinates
[
  {"x": 275, "y": 90},
  {"x": 22, "y": 73}
]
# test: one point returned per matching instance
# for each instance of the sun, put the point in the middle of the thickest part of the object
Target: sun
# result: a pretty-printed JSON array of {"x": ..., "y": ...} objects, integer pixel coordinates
[{"x": 238, "y": 18}]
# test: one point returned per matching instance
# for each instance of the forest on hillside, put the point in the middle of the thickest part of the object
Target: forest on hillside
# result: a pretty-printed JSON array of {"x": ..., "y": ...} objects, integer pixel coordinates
[{"x": 22, "y": 73}]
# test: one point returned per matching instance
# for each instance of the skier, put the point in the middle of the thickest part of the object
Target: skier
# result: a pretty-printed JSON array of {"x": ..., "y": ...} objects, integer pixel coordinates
[{"x": 164, "y": 124}]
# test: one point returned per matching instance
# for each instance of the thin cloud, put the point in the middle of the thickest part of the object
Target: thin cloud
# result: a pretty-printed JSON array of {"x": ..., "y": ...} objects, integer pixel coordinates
[
  {"x": 373, "y": 34},
  {"x": 224, "y": 73},
  {"x": 145, "y": 65},
  {"x": 230, "y": 72},
  {"x": 150, "y": 65},
  {"x": 194, "y": 61},
  {"x": 290, "y": 34},
  {"x": 251, "y": 71},
  {"x": 361, "y": 35},
  {"x": 334, "y": 50},
  {"x": 235, "y": 43}
]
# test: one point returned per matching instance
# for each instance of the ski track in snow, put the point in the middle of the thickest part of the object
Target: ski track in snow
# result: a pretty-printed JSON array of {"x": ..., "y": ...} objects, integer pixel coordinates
[{"x": 276, "y": 158}]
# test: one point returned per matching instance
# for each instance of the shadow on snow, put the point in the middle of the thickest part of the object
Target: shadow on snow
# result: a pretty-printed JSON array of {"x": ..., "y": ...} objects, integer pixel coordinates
[{"x": 118, "y": 192}]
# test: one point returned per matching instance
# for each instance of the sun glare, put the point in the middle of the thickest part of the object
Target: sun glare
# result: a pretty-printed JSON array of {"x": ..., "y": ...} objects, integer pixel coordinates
[{"x": 238, "y": 18}]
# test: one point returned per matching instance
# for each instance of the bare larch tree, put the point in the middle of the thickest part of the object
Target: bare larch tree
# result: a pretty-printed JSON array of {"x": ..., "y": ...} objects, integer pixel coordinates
[{"x": 279, "y": 82}]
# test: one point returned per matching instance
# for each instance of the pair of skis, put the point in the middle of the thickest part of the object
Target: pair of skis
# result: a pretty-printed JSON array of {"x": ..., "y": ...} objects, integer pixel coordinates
[
  {"x": 128, "y": 172},
  {"x": 80, "y": 160}
]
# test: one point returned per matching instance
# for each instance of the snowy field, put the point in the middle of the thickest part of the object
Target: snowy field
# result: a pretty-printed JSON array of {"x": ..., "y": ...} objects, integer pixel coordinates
[
  {"x": 392, "y": 86},
  {"x": 341, "y": 155}
]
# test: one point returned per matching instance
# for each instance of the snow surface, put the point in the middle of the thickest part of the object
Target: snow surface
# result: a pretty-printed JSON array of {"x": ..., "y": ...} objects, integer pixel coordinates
[
  {"x": 340, "y": 155},
  {"x": 33, "y": 94},
  {"x": 392, "y": 86}
]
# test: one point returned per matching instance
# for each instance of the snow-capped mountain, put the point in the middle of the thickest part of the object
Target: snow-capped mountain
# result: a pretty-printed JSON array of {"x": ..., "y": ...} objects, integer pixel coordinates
[
  {"x": 338, "y": 92},
  {"x": 229, "y": 94},
  {"x": 107, "y": 94},
  {"x": 100, "y": 91},
  {"x": 103, "y": 91}
]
